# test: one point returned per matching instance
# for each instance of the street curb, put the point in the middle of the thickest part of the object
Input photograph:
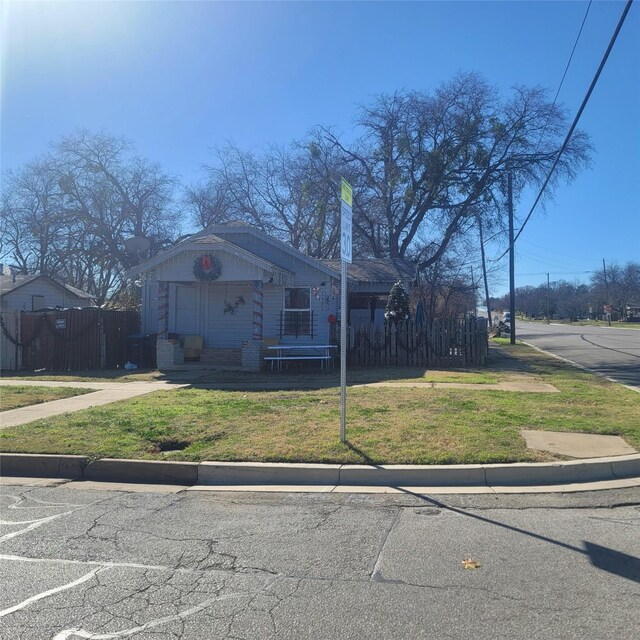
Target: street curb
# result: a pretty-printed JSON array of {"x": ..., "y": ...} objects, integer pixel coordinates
[
  {"x": 144, "y": 471},
  {"x": 413, "y": 475},
  {"x": 42, "y": 466},
  {"x": 260, "y": 473},
  {"x": 246, "y": 473}
]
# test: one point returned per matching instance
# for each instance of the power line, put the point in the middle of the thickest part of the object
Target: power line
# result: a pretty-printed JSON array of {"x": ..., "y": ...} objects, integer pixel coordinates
[
  {"x": 575, "y": 122},
  {"x": 566, "y": 69}
]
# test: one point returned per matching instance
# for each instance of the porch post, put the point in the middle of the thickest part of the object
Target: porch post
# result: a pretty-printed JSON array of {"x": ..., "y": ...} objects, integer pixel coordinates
[
  {"x": 258, "y": 297},
  {"x": 163, "y": 310}
]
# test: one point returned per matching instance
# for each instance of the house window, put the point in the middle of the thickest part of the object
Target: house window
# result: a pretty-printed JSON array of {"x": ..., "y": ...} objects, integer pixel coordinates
[
  {"x": 37, "y": 303},
  {"x": 296, "y": 317}
]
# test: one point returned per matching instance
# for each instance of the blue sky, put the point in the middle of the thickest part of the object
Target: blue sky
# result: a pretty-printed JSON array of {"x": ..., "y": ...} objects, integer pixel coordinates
[{"x": 178, "y": 78}]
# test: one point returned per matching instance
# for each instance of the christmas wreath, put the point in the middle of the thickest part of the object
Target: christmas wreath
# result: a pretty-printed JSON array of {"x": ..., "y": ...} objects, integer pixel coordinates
[{"x": 207, "y": 267}]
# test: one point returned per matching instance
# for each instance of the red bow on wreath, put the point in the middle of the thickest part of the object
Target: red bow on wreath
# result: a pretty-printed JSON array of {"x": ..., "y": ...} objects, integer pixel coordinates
[{"x": 206, "y": 263}]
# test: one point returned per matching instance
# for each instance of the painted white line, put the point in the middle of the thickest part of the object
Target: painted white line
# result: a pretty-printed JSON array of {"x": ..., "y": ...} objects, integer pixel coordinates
[
  {"x": 83, "y": 633},
  {"x": 120, "y": 565},
  {"x": 97, "y": 563},
  {"x": 51, "y": 592},
  {"x": 580, "y": 366},
  {"x": 36, "y": 524},
  {"x": 15, "y": 522},
  {"x": 41, "y": 504}
]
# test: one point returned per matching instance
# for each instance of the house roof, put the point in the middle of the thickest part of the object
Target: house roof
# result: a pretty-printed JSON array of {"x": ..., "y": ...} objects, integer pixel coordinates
[
  {"x": 242, "y": 227},
  {"x": 376, "y": 270},
  {"x": 8, "y": 284},
  {"x": 210, "y": 240},
  {"x": 379, "y": 271}
]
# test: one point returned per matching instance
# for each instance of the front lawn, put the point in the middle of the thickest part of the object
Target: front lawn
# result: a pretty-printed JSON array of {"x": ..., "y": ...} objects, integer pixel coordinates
[
  {"x": 15, "y": 397},
  {"x": 385, "y": 424}
]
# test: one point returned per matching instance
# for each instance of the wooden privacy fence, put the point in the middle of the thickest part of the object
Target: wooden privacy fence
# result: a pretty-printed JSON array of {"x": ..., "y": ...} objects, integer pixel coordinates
[
  {"x": 10, "y": 354},
  {"x": 436, "y": 343},
  {"x": 73, "y": 339}
]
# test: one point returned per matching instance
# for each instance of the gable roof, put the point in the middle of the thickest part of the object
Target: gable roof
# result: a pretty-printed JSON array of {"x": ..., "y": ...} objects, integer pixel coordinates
[
  {"x": 236, "y": 227},
  {"x": 8, "y": 284},
  {"x": 197, "y": 242},
  {"x": 214, "y": 236}
]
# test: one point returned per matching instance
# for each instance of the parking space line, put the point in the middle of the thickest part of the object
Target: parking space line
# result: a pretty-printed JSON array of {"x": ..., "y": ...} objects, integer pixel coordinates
[
  {"x": 34, "y": 525},
  {"x": 51, "y": 592}
]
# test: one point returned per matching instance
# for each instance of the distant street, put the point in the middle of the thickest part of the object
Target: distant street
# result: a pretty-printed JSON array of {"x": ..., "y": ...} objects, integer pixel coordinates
[
  {"x": 201, "y": 565},
  {"x": 613, "y": 352}
]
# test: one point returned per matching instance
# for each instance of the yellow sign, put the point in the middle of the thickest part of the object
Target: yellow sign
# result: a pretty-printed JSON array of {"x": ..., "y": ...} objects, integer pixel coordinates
[{"x": 346, "y": 192}]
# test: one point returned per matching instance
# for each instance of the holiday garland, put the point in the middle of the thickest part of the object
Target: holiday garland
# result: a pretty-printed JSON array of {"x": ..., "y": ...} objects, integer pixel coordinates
[{"x": 207, "y": 267}]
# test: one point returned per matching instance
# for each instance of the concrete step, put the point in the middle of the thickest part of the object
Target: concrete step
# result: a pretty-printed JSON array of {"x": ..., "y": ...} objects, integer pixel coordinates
[{"x": 230, "y": 357}]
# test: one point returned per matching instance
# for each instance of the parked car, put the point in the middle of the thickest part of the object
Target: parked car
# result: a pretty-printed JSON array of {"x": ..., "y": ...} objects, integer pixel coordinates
[{"x": 507, "y": 318}]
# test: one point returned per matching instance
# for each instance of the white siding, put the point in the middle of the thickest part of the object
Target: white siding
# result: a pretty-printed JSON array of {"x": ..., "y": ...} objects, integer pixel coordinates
[
  {"x": 180, "y": 267},
  {"x": 21, "y": 299},
  {"x": 150, "y": 307},
  {"x": 228, "y": 330},
  {"x": 206, "y": 317}
]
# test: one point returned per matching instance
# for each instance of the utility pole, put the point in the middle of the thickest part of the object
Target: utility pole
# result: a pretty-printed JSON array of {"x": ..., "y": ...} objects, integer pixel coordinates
[
  {"x": 512, "y": 283},
  {"x": 484, "y": 273},
  {"x": 606, "y": 289},
  {"x": 475, "y": 294},
  {"x": 548, "y": 314}
]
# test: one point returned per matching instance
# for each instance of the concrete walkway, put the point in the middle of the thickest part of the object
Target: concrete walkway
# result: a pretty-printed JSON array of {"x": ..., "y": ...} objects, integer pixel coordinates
[
  {"x": 576, "y": 445},
  {"x": 105, "y": 393}
]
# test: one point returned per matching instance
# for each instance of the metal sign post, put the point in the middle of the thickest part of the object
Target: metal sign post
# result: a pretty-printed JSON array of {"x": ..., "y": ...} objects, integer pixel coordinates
[{"x": 345, "y": 257}]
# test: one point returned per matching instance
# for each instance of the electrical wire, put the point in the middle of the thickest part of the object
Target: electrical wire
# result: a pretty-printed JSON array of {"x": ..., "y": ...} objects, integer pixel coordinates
[
  {"x": 566, "y": 69},
  {"x": 574, "y": 124}
]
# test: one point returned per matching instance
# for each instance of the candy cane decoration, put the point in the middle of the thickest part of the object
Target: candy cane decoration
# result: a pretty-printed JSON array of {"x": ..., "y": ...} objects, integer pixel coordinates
[{"x": 258, "y": 296}]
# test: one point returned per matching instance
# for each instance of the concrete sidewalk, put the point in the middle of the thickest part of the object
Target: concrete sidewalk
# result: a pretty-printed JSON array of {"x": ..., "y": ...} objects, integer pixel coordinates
[{"x": 105, "y": 393}]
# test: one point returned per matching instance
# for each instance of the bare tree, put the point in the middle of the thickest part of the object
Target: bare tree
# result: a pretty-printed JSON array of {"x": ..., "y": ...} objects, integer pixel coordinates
[
  {"x": 33, "y": 217},
  {"x": 117, "y": 194},
  {"x": 430, "y": 161},
  {"x": 290, "y": 193},
  {"x": 69, "y": 213}
]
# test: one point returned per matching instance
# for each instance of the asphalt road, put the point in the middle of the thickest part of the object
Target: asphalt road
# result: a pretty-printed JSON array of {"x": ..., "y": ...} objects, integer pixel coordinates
[
  {"x": 611, "y": 351},
  {"x": 80, "y": 563}
]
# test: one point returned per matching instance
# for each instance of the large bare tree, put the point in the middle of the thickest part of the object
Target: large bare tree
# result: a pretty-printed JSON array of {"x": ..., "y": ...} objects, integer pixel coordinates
[
  {"x": 68, "y": 214},
  {"x": 427, "y": 163}
]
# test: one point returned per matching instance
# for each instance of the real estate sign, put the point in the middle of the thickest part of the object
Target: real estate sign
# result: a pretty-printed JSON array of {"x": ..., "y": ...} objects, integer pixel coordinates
[
  {"x": 346, "y": 194},
  {"x": 345, "y": 221}
]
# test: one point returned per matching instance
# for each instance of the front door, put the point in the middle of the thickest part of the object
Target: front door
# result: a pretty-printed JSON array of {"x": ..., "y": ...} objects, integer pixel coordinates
[{"x": 186, "y": 318}]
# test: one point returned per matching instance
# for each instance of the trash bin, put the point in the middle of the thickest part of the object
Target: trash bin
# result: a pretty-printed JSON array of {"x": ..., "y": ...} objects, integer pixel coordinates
[
  {"x": 134, "y": 349},
  {"x": 141, "y": 350}
]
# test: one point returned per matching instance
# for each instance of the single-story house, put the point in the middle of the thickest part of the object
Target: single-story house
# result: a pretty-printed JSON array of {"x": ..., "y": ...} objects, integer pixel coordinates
[
  {"x": 21, "y": 292},
  {"x": 239, "y": 290}
]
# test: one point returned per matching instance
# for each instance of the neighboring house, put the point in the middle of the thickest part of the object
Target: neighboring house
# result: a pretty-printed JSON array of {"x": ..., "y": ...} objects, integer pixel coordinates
[
  {"x": 238, "y": 288},
  {"x": 35, "y": 292}
]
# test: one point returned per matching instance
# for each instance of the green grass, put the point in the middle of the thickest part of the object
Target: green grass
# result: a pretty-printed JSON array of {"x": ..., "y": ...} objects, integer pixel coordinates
[
  {"x": 385, "y": 425},
  {"x": 15, "y": 397}
]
